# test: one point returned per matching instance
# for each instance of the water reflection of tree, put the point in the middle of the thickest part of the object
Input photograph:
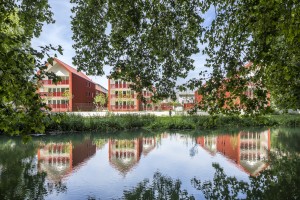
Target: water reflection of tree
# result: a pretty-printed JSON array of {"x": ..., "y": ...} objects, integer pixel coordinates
[
  {"x": 162, "y": 187},
  {"x": 287, "y": 139},
  {"x": 280, "y": 181},
  {"x": 19, "y": 177}
]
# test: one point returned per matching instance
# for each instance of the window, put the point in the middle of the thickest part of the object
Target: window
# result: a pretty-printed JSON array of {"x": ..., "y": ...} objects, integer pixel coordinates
[
  {"x": 89, "y": 93},
  {"x": 54, "y": 102},
  {"x": 49, "y": 101}
]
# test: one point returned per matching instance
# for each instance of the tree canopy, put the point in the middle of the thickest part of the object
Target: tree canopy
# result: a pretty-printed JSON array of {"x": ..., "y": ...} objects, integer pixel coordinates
[
  {"x": 152, "y": 43},
  {"x": 20, "y": 105}
]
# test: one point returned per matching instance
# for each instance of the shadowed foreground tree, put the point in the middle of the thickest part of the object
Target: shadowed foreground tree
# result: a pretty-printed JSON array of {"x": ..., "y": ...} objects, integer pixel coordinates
[
  {"x": 152, "y": 43},
  {"x": 20, "y": 105},
  {"x": 263, "y": 32}
]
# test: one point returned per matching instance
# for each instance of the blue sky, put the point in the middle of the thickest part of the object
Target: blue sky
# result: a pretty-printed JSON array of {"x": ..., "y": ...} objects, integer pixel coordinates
[{"x": 60, "y": 33}]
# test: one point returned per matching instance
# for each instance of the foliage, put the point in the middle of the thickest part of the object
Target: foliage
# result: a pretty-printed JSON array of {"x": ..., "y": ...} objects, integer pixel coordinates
[
  {"x": 100, "y": 101},
  {"x": 162, "y": 187},
  {"x": 161, "y": 36},
  {"x": 280, "y": 181},
  {"x": 64, "y": 122},
  {"x": 20, "y": 105},
  {"x": 263, "y": 32},
  {"x": 151, "y": 42},
  {"x": 20, "y": 178},
  {"x": 67, "y": 94}
]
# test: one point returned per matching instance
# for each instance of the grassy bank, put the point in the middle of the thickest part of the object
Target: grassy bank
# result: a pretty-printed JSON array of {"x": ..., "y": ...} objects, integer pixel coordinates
[{"x": 65, "y": 122}]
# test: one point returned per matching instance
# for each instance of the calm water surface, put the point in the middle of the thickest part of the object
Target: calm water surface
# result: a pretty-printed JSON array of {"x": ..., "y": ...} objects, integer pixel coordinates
[{"x": 102, "y": 166}]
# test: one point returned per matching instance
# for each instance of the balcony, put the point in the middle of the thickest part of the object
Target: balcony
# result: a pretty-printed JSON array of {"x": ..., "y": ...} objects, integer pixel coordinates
[
  {"x": 50, "y": 82},
  {"x": 128, "y": 96},
  {"x": 123, "y": 108},
  {"x": 51, "y": 94},
  {"x": 116, "y": 86}
]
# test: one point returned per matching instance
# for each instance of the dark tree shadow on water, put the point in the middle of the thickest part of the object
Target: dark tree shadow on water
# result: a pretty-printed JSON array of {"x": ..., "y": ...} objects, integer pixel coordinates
[
  {"x": 19, "y": 175},
  {"x": 281, "y": 180},
  {"x": 161, "y": 187}
]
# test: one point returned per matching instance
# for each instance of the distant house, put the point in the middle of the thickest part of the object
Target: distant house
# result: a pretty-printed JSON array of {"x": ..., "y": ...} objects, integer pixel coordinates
[
  {"x": 122, "y": 98},
  {"x": 75, "y": 91},
  {"x": 249, "y": 91},
  {"x": 186, "y": 99}
]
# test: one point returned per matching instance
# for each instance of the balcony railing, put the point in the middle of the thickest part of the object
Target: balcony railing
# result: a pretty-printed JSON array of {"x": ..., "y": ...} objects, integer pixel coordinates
[
  {"x": 124, "y": 85},
  {"x": 51, "y": 94},
  {"x": 58, "y": 106},
  {"x": 50, "y": 82},
  {"x": 123, "y": 107},
  {"x": 122, "y": 96}
]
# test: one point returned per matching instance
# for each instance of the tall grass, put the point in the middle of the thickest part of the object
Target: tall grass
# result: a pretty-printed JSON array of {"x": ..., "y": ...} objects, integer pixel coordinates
[{"x": 64, "y": 122}]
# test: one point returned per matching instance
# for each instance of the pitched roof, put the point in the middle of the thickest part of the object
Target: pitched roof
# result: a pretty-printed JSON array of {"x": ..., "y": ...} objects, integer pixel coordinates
[{"x": 72, "y": 70}]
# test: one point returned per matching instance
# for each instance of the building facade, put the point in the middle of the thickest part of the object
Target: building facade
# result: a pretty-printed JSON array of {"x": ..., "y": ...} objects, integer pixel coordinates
[
  {"x": 122, "y": 98},
  {"x": 75, "y": 91}
]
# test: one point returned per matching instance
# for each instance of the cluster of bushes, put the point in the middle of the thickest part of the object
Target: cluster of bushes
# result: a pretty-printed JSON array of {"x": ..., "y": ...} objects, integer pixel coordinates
[{"x": 63, "y": 122}]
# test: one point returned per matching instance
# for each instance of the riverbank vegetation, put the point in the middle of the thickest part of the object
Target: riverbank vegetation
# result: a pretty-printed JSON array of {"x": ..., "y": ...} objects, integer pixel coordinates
[{"x": 66, "y": 123}]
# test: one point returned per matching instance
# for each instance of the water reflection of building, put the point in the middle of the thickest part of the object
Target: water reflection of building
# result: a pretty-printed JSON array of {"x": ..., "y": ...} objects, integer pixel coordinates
[
  {"x": 125, "y": 154},
  {"x": 209, "y": 143},
  {"x": 248, "y": 150},
  {"x": 59, "y": 159}
]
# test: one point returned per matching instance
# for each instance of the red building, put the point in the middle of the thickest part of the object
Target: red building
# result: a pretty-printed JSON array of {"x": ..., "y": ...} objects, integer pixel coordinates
[
  {"x": 249, "y": 92},
  {"x": 75, "y": 91},
  {"x": 122, "y": 98}
]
